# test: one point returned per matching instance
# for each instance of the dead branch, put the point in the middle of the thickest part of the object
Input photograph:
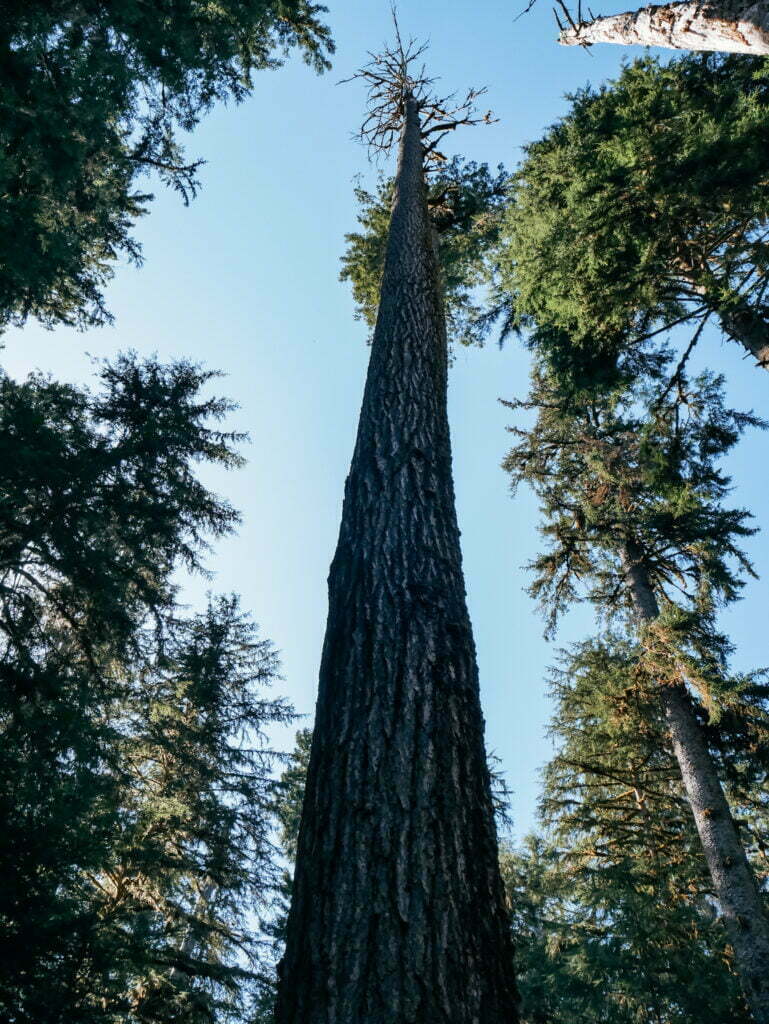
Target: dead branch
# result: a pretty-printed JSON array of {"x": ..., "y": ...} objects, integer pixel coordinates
[{"x": 398, "y": 72}]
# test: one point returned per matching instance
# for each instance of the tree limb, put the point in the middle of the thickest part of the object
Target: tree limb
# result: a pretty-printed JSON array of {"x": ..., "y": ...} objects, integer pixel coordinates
[{"x": 727, "y": 27}]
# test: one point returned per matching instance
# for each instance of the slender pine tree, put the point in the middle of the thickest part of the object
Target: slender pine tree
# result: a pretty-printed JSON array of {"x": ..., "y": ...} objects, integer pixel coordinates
[
  {"x": 398, "y": 910},
  {"x": 633, "y": 499}
]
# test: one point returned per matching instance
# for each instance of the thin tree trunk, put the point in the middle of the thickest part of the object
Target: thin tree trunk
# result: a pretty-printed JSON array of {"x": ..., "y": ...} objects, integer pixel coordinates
[
  {"x": 190, "y": 940},
  {"x": 728, "y": 27},
  {"x": 733, "y": 880},
  {"x": 741, "y": 321},
  {"x": 747, "y": 327},
  {"x": 398, "y": 913}
]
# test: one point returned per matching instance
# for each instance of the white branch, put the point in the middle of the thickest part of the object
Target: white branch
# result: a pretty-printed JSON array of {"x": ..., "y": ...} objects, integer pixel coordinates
[{"x": 730, "y": 27}]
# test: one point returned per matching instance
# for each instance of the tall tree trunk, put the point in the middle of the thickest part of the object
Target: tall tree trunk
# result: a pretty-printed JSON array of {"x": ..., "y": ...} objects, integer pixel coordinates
[
  {"x": 728, "y": 26},
  {"x": 733, "y": 880},
  {"x": 398, "y": 913}
]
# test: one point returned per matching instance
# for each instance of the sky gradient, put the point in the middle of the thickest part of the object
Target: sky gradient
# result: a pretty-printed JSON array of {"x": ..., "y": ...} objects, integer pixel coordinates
[{"x": 245, "y": 280}]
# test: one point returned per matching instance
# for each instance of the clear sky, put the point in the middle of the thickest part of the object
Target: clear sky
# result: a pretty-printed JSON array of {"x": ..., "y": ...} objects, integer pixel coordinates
[{"x": 246, "y": 280}]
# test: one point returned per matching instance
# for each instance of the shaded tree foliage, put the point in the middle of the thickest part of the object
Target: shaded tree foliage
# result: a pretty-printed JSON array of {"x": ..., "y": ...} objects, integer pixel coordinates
[
  {"x": 92, "y": 95},
  {"x": 645, "y": 207},
  {"x": 133, "y": 785},
  {"x": 613, "y": 908}
]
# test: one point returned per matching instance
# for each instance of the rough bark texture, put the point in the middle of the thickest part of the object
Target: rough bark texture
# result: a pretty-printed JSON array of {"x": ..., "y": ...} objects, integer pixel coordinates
[
  {"x": 726, "y": 27},
  {"x": 398, "y": 913},
  {"x": 733, "y": 880}
]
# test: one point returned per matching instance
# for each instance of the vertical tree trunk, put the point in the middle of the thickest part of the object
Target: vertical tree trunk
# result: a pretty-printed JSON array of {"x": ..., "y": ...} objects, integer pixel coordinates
[
  {"x": 733, "y": 880},
  {"x": 398, "y": 912},
  {"x": 728, "y": 26}
]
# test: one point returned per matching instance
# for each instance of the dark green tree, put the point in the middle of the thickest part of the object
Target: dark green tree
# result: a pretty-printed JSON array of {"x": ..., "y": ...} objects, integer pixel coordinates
[
  {"x": 164, "y": 931},
  {"x": 126, "y": 780},
  {"x": 92, "y": 96},
  {"x": 289, "y": 795},
  {"x": 633, "y": 505},
  {"x": 645, "y": 207}
]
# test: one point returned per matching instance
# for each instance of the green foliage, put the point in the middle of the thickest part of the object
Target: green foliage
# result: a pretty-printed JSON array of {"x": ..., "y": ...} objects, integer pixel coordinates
[
  {"x": 613, "y": 910},
  {"x": 645, "y": 206},
  {"x": 91, "y": 96},
  {"x": 290, "y": 793},
  {"x": 99, "y": 497},
  {"x": 133, "y": 788},
  {"x": 613, "y": 914},
  {"x": 466, "y": 202},
  {"x": 641, "y": 468},
  {"x": 288, "y": 796}
]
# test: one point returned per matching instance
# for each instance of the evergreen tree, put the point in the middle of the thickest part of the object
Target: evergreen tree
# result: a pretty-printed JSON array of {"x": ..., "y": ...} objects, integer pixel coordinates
[
  {"x": 614, "y": 912},
  {"x": 126, "y": 781},
  {"x": 398, "y": 910},
  {"x": 94, "y": 95},
  {"x": 466, "y": 202},
  {"x": 289, "y": 795},
  {"x": 645, "y": 207},
  {"x": 632, "y": 497}
]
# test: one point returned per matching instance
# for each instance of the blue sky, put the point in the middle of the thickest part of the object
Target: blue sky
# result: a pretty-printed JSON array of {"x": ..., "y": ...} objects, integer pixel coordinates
[{"x": 246, "y": 280}]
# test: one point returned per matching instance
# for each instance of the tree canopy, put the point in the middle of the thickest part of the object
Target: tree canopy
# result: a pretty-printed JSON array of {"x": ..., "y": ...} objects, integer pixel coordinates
[
  {"x": 135, "y": 786},
  {"x": 93, "y": 96},
  {"x": 644, "y": 207}
]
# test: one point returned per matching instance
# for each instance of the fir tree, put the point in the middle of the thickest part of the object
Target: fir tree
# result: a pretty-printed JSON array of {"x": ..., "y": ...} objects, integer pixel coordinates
[
  {"x": 645, "y": 207},
  {"x": 126, "y": 779},
  {"x": 632, "y": 498}
]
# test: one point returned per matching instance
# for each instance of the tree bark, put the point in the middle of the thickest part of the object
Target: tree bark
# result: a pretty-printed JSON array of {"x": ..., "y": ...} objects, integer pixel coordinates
[
  {"x": 398, "y": 913},
  {"x": 747, "y": 327},
  {"x": 742, "y": 322},
  {"x": 733, "y": 880},
  {"x": 728, "y": 27}
]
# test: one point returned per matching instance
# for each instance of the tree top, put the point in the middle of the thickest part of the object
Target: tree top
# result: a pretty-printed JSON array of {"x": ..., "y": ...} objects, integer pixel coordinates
[{"x": 398, "y": 73}]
